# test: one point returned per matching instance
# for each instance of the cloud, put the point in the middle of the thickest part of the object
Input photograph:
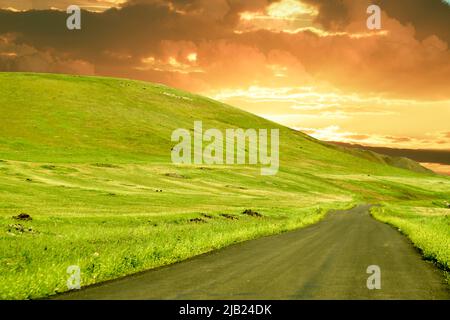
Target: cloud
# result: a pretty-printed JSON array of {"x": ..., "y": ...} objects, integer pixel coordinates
[
  {"x": 92, "y": 5},
  {"x": 428, "y": 18},
  {"x": 22, "y": 57},
  {"x": 358, "y": 137},
  {"x": 333, "y": 14},
  {"x": 431, "y": 17},
  {"x": 337, "y": 134},
  {"x": 396, "y": 62}
]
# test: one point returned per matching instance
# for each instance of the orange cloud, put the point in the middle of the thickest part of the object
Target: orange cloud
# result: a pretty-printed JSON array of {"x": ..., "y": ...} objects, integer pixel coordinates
[{"x": 92, "y": 5}]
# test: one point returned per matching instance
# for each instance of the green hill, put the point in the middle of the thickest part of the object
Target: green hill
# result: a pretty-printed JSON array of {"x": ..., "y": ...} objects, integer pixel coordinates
[
  {"x": 77, "y": 119},
  {"x": 88, "y": 159}
]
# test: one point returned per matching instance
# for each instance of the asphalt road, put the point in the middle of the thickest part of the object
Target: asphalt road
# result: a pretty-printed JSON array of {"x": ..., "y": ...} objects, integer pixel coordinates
[{"x": 327, "y": 260}]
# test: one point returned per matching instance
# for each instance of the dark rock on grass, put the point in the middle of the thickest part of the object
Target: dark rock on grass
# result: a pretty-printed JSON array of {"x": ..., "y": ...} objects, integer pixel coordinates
[
  {"x": 23, "y": 216},
  {"x": 251, "y": 213},
  {"x": 441, "y": 204},
  {"x": 29, "y": 180},
  {"x": 106, "y": 165},
  {"x": 235, "y": 187},
  {"x": 207, "y": 216},
  {"x": 408, "y": 196},
  {"x": 175, "y": 175},
  {"x": 229, "y": 216},
  {"x": 197, "y": 220},
  {"x": 48, "y": 167}
]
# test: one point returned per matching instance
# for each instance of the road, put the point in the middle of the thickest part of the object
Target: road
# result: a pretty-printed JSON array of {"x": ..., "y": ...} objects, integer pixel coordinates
[{"x": 327, "y": 260}]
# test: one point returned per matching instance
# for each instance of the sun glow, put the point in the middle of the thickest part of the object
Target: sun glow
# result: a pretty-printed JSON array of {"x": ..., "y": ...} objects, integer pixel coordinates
[
  {"x": 192, "y": 57},
  {"x": 289, "y": 9}
]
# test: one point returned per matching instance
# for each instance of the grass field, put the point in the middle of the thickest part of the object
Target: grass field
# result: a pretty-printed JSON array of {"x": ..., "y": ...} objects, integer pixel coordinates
[
  {"x": 426, "y": 224},
  {"x": 89, "y": 160}
]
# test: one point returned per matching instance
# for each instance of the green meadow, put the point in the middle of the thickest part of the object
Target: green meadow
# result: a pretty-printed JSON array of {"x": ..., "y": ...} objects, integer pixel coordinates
[
  {"x": 89, "y": 160},
  {"x": 426, "y": 224}
]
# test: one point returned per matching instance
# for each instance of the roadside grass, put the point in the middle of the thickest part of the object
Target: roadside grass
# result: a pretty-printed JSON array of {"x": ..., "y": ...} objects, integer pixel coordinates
[{"x": 425, "y": 223}]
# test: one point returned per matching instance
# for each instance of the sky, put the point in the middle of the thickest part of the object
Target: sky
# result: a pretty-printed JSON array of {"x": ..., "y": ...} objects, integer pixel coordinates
[{"x": 312, "y": 65}]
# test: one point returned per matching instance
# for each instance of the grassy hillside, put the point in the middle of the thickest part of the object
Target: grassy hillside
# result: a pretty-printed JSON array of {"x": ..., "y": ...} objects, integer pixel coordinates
[{"x": 87, "y": 159}]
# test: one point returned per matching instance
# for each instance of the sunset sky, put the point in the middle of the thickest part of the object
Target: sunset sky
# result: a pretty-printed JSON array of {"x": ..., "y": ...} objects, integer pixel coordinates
[{"x": 310, "y": 64}]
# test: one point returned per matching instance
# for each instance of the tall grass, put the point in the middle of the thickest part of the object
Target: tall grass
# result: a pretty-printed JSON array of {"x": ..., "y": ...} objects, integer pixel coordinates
[{"x": 428, "y": 228}]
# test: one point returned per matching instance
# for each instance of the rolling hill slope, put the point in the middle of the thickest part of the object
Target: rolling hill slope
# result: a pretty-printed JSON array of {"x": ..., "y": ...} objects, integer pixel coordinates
[
  {"x": 69, "y": 119},
  {"x": 88, "y": 159}
]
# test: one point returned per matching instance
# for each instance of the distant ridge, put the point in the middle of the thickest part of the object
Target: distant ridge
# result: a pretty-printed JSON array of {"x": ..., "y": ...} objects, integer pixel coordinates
[
  {"x": 419, "y": 155},
  {"x": 399, "y": 158}
]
